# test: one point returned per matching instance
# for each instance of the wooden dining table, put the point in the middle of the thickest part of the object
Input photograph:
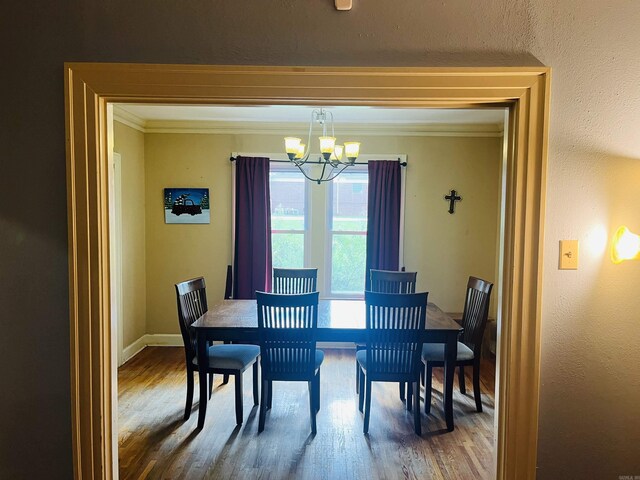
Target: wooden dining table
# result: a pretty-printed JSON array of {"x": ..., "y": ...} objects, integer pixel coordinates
[{"x": 338, "y": 321}]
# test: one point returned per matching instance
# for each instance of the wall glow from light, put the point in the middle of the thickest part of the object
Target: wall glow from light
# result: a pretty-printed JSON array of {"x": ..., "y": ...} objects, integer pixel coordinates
[{"x": 596, "y": 241}]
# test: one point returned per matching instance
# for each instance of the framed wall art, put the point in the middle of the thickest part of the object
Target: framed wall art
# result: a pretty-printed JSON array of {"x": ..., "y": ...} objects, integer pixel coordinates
[{"x": 186, "y": 205}]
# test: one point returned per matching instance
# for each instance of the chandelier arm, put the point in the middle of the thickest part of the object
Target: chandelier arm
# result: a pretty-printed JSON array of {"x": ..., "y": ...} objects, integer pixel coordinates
[
  {"x": 338, "y": 172},
  {"x": 307, "y": 176}
]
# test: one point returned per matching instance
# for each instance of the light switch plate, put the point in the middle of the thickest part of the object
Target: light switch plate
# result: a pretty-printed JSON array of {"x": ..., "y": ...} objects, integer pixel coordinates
[{"x": 568, "y": 255}]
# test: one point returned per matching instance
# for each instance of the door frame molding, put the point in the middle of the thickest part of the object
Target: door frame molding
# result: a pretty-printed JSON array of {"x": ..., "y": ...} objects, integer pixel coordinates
[{"x": 89, "y": 87}]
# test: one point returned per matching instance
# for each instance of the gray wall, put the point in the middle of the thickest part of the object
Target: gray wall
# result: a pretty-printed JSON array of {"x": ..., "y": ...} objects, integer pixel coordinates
[{"x": 589, "y": 426}]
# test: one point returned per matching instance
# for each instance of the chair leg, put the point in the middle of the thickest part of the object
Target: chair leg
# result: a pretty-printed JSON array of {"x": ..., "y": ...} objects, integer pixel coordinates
[
  {"x": 238, "y": 382},
  {"x": 210, "y": 384},
  {"x": 187, "y": 407},
  {"x": 427, "y": 388},
  {"x": 357, "y": 377},
  {"x": 476, "y": 385},
  {"x": 463, "y": 389},
  {"x": 317, "y": 391},
  {"x": 401, "y": 385},
  {"x": 312, "y": 406},
  {"x": 263, "y": 405},
  {"x": 255, "y": 383},
  {"x": 225, "y": 377},
  {"x": 270, "y": 395},
  {"x": 417, "y": 426},
  {"x": 367, "y": 407},
  {"x": 361, "y": 388},
  {"x": 409, "y": 395}
]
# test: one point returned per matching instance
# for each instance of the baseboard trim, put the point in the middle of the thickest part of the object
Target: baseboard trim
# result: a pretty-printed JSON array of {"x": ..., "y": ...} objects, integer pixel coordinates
[
  {"x": 151, "y": 340},
  {"x": 163, "y": 340},
  {"x": 175, "y": 340},
  {"x": 132, "y": 350}
]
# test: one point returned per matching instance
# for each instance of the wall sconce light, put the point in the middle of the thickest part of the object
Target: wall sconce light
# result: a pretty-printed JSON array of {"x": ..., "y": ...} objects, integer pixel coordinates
[{"x": 625, "y": 245}]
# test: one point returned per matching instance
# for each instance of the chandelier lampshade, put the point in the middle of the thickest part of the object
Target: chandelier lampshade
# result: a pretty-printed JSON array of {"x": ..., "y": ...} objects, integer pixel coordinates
[{"x": 328, "y": 163}]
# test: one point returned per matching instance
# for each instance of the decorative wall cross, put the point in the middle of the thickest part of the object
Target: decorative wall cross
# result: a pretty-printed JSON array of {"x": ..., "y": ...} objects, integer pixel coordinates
[{"x": 452, "y": 198}]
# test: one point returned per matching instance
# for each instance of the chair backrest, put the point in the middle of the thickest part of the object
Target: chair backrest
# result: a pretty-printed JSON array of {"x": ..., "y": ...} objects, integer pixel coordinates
[
  {"x": 395, "y": 322},
  {"x": 228, "y": 283},
  {"x": 287, "y": 326},
  {"x": 476, "y": 311},
  {"x": 294, "y": 280},
  {"x": 192, "y": 304},
  {"x": 388, "y": 281}
]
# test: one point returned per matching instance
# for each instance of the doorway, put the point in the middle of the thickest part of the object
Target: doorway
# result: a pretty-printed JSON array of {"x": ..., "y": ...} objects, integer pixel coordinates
[{"x": 523, "y": 91}]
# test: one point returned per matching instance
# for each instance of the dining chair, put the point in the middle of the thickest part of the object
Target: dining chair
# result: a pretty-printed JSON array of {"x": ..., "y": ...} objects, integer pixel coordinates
[
  {"x": 395, "y": 322},
  {"x": 474, "y": 320},
  {"x": 228, "y": 285},
  {"x": 294, "y": 280},
  {"x": 223, "y": 359},
  {"x": 389, "y": 281},
  {"x": 228, "y": 282},
  {"x": 287, "y": 325}
]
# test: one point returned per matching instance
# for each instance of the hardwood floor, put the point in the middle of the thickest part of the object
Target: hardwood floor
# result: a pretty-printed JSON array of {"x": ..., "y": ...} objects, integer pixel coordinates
[{"x": 155, "y": 442}]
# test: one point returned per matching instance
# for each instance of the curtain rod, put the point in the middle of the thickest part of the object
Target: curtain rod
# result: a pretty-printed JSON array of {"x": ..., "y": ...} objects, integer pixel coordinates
[{"x": 318, "y": 162}]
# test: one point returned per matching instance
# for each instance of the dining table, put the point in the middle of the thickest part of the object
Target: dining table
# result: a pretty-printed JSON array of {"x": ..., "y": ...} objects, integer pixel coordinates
[{"x": 338, "y": 321}]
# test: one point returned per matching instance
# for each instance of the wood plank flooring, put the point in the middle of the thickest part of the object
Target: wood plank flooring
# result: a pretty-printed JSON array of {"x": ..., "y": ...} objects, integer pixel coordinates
[{"x": 155, "y": 442}]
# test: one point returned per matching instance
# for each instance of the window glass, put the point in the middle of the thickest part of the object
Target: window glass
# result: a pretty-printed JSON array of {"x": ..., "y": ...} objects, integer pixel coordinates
[{"x": 348, "y": 234}]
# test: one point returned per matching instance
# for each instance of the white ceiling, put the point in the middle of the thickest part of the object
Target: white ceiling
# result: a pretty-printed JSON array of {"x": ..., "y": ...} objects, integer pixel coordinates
[{"x": 284, "y": 113}]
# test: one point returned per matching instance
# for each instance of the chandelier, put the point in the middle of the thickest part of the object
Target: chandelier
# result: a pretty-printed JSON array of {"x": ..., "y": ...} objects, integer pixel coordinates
[{"x": 332, "y": 160}]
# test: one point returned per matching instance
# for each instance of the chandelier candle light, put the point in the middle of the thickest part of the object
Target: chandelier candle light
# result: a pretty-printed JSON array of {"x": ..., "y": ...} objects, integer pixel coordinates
[{"x": 331, "y": 155}]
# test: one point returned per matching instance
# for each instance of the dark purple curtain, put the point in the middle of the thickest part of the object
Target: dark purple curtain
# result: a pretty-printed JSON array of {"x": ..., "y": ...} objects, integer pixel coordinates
[
  {"x": 252, "y": 262},
  {"x": 383, "y": 222}
]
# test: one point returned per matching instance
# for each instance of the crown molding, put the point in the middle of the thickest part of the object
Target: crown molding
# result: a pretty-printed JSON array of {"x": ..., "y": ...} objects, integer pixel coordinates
[
  {"x": 129, "y": 119},
  {"x": 263, "y": 128}
]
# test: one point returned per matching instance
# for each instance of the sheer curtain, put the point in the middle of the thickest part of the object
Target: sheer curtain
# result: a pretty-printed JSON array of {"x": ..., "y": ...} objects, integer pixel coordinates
[
  {"x": 252, "y": 262},
  {"x": 383, "y": 222}
]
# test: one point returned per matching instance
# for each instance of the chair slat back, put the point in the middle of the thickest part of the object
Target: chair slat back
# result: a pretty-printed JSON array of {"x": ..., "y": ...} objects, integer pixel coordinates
[
  {"x": 476, "y": 312},
  {"x": 394, "y": 326},
  {"x": 192, "y": 304},
  {"x": 287, "y": 325},
  {"x": 294, "y": 280},
  {"x": 387, "y": 281}
]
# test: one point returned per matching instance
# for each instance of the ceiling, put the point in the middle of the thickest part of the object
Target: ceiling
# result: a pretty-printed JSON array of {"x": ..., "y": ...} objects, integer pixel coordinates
[{"x": 295, "y": 113}]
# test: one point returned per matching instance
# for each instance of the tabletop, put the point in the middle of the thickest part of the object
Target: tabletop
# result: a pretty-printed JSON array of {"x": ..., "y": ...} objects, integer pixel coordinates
[{"x": 332, "y": 314}]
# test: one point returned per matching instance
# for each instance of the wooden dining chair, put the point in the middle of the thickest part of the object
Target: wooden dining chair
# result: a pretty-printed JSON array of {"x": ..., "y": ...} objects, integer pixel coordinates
[
  {"x": 395, "y": 323},
  {"x": 228, "y": 283},
  {"x": 389, "y": 281},
  {"x": 295, "y": 280},
  {"x": 223, "y": 359},
  {"x": 474, "y": 320},
  {"x": 287, "y": 325}
]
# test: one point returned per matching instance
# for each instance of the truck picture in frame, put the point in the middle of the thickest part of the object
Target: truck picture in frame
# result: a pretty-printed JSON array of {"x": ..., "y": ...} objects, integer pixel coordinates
[{"x": 186, "y": 205}]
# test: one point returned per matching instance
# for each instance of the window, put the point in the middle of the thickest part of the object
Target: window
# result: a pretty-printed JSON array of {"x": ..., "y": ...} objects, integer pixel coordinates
[
  {"x": 323, "y": 226},
  {"x": 347, "y": 233},
  {"x": 288, "y": 217}
]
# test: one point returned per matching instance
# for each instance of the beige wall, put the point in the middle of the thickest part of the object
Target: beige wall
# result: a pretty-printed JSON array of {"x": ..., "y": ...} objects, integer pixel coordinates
[
  {"x": 444, "y": 249},
  {"x": 590, "y": 389},
  {"x": 129, "y": 143},
  {"x": 177, "y": 252}
]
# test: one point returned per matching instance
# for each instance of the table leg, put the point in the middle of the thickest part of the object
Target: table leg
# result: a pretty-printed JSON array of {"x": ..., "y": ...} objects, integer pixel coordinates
[
  {"x": 203, "y": 362},
  {"x": 450, "y": 354}
]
